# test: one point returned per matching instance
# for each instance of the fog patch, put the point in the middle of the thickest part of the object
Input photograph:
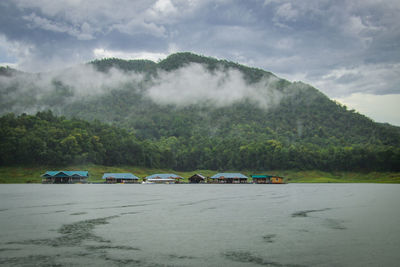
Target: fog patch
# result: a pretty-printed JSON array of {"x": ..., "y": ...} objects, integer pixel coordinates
[
  {"x": 190, "y": 85},
  {"x": 195, "y": 84},
  {"x": 29, "y": 93}
]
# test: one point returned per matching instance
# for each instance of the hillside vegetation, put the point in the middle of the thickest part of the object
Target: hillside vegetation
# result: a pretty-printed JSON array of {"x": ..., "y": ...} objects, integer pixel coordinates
[{"x": 286, "y": 126}]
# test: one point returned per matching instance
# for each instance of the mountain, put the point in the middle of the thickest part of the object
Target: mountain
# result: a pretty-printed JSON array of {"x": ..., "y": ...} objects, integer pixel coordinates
[{"x": 208, "y": 113}]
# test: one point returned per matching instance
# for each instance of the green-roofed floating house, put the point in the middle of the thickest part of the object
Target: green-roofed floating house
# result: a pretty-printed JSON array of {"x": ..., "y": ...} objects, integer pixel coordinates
[
  {"x": 162, "y": 178},
  {"x": 267, "y": 179},
  {"x": 261, "y": 179},
  {"x": 65, "y": 177},
  {"x": 120, "y": 178},
  {"x": 229, "y": 178}
]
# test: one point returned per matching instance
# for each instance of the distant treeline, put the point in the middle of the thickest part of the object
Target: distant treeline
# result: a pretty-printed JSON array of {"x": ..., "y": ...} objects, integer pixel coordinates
[{"x": 51, "y": 140}]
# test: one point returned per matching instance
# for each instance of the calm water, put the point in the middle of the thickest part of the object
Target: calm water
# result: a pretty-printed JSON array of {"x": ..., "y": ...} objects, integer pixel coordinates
[{"x": 200, "y": 225}]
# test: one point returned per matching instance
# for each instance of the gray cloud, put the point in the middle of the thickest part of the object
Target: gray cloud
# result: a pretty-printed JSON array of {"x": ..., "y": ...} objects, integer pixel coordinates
[{"x": 308, "y": 40}]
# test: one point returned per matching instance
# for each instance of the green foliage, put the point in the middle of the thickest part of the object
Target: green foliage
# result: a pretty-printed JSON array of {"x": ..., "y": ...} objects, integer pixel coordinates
[
  {"x": 7, "y": 71},
  {"x": 47, "y": 139},
  {"x": 126, "y": 65},
  {"x": 179, "y": 60}
]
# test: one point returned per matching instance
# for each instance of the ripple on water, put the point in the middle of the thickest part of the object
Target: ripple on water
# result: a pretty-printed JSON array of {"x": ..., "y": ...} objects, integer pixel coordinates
[
  {"x": 269, "y": 238},
  {"x": 105, "y": 247},
  {"x": 304, "y": 213},
  {"x": 49, "y": 205},
  {"x": 8, "y": 249},
  {"x": 72, "y": 234},
  {"x": 181, "y": 257},
  {"x": 334, "y": 224},
  {"x": 31, "y": 260},
  {"x": 78, "y": 213},
  {"x": 75, "y": 233},
  {"x": 123, "y": 206},
  {"x": 248, "y": 257}
]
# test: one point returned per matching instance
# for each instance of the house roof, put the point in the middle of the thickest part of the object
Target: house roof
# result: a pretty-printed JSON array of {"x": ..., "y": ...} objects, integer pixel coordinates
[
  {"x": 66, "y": 174},
  {"x": 161, "y": 180},
  {"x": 228, "y": 176},
  {"x": 120, "y": 176},
  {"x": 261, "y": 176},
  {"x": 164, "y": 176},
  {"x": 198, "y": 175}
]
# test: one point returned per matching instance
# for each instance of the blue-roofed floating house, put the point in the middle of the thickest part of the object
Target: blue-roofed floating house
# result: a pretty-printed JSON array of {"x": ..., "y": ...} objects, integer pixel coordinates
[
  {"x": 125, "y": 178},
  {"x": 229, "y": 178},
  {"x": 163, "y": 178},
  {"x": 65, "y": 177}
]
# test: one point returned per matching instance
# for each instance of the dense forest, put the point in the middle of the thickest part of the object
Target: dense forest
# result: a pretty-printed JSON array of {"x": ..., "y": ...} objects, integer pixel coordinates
[
  {"x": 47, "y": 139},
  {"x": 106, "y": 112}
]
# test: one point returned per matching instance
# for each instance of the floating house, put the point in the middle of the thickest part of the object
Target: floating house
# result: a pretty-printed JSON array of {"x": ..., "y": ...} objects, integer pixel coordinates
[
  {"x": 277, "y": 180},
  {"x": 65, "y": 177},
  {"x": 163, "y": 178},
  {"x": 197, "y": 179},
  {"x": 229, "y": 178},
  {"x": 267, "y": 179},
  {"x": 261, "y": 179},
  {"x": 124, "y": 178}
]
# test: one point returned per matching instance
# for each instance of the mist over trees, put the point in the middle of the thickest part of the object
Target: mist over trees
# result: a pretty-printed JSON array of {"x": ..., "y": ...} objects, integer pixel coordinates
[{"x": 186, "y": 112}]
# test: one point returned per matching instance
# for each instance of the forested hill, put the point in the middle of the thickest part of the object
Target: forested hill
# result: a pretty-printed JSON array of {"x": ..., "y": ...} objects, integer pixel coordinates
[
  {"x": 179, "y": 60},
  {"x": 300, "y": 114},
  {"x": 204, "y": 113}
]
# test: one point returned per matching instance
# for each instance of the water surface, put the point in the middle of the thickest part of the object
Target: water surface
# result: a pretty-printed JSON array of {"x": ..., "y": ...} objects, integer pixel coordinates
[{"x": 200, "y": 225}]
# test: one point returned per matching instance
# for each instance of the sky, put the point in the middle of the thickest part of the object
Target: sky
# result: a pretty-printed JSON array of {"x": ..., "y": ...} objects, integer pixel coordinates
[{"x": 349, "y": 50}]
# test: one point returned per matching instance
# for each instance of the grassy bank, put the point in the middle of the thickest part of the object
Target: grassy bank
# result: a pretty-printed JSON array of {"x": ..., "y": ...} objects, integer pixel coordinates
[{"x": 32, "y": 174}]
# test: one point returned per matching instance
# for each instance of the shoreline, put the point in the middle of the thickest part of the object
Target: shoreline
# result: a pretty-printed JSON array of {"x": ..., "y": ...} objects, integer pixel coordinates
[{"x": 32, "y": 174}]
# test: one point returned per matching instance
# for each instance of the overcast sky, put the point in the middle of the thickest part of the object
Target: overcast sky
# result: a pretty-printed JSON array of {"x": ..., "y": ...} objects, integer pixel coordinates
[{"x": 350, "y": 50}]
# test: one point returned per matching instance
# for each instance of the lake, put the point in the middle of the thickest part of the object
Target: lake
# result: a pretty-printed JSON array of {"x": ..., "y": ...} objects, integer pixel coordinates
[{"x": 200, "y": 225}]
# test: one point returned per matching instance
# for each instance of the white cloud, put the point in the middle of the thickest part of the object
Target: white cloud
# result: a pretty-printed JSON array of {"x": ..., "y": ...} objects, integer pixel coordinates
[
  {"x": 138, "y": 25},
  {"x": 286, "y": 12},
  {"x": 14, "y": 50},
  {"x": 34, "y": 92},
  {"x": 194, "y": 84},
  {"x": 164, "y": 7},
  {"x": 105, "y": 53},
  {"x": 268, "y": 2},
  {"x": 381, "y": 108},
  {"x": 285, "y": 43},
  {"x": 371, "y": 78},
  {"x": 191, "y": 84},
  {"x": 84, "y": 19},
  {"x": 8, "y": 64},
  {"x": 81, "y": 32}
]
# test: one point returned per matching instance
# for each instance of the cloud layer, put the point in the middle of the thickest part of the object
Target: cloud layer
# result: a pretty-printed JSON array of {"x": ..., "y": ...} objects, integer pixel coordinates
[{"x": 191, "y": 84}]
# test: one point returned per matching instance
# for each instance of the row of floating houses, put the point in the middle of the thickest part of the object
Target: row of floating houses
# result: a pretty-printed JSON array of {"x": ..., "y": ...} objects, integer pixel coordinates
[{"x": 70, "y": 177}]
